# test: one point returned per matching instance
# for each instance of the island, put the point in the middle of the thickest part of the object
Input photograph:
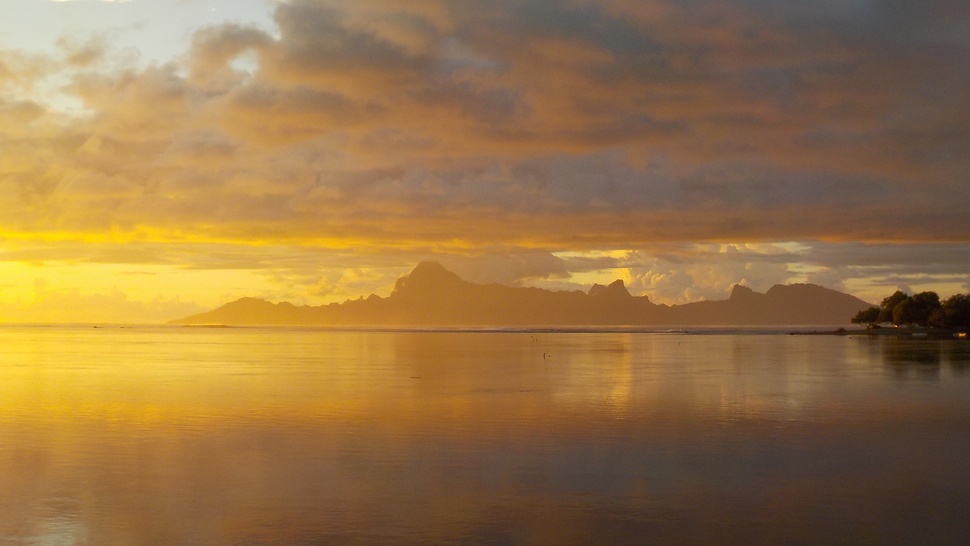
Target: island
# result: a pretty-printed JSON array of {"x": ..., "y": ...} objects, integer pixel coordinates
[{"x": 430, "y": 295}]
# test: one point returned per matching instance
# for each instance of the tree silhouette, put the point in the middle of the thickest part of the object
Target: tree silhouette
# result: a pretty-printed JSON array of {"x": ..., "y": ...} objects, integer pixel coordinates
[
  {"x": 889, "y": 305},
  {"x": 922, "y": 309},
  {"x": 869, "y": 317},
  {"x": 954, "y": 312}
]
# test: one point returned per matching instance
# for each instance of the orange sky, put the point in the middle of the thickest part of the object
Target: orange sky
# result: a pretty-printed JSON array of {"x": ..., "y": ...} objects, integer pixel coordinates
[{"x": 160, "y": 158}]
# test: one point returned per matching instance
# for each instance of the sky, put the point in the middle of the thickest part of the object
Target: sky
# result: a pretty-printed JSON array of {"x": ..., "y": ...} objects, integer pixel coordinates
[{"x": 162, "y": 157}]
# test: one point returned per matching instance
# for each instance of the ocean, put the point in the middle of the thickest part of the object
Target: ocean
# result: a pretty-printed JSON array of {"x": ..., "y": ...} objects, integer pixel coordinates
[{"x": 185, "y": 435}]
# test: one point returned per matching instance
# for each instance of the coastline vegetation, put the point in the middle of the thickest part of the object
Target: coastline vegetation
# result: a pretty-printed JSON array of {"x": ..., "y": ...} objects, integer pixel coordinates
[{"x": 924, "y": 309}]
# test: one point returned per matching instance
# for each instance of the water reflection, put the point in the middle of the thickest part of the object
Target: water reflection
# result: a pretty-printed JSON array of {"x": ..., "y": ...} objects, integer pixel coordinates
[
  {"x": 184, "y": 436},
  {"x": 907, "y": 358},
  {"x": 924, "y": 358}
]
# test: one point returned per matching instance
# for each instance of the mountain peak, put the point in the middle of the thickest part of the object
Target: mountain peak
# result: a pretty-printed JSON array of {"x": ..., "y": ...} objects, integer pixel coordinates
[
  {"x": 426, "y": 277},
  {"x": 780, "y": 289},
  {"x": 740, "y": 292},
  {"x": 616, "y": 289},
  {"x": 429, "y": 269}
]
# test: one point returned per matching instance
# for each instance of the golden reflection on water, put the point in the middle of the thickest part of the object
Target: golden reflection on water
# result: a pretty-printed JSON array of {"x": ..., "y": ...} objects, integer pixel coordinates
[{"x": 181, "y": 435}]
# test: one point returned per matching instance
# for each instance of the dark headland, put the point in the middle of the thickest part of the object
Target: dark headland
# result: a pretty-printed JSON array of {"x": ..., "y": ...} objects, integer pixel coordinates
[{"x": 433, "y": 296}]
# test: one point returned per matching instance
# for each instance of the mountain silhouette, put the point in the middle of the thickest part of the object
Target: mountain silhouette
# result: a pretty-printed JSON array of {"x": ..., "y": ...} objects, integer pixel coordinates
[{"x": 433, "y": 296}]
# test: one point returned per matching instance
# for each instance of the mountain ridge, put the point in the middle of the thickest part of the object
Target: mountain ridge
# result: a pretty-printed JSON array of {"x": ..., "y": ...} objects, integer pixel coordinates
[{"x": 430, "y": 295}]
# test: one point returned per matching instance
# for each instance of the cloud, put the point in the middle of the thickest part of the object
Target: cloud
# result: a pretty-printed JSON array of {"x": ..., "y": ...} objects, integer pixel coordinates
[
  {"x": 507, "y": 266},
  {"x": 687, "y": 272},
  {"x": 83, "y": 52},
  {"x": 529, "y": 117},
  {"x": 107, "y": 308},
  {"x": 705, "y": 272},
  {"x": 215, "y": 50},
  {"x": 498, "y": 138}
]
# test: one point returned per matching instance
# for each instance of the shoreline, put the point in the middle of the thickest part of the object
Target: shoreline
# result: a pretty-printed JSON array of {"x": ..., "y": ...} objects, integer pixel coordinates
[{"x": 907, "y": 332}]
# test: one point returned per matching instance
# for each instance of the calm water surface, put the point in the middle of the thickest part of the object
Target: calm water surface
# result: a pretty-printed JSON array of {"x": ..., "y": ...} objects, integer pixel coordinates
[{"x": 286, "y": 436}]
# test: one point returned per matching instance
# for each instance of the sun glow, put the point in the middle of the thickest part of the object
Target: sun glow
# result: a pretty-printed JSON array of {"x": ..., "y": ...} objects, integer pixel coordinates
[{"x": 281, "y": 145}]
